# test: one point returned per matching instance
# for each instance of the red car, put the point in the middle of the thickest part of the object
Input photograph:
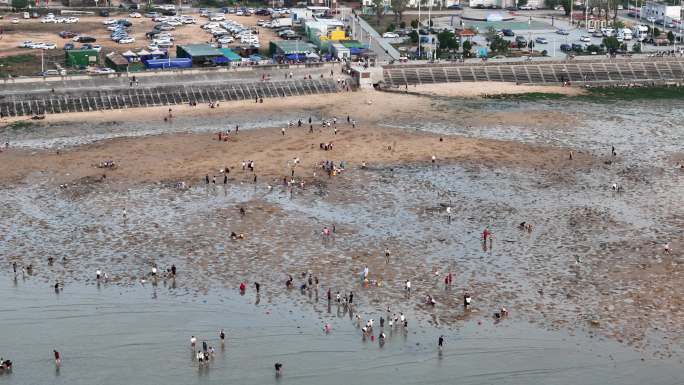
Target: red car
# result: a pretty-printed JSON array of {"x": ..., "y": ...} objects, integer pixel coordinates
[{"x": 67, "y": 34}]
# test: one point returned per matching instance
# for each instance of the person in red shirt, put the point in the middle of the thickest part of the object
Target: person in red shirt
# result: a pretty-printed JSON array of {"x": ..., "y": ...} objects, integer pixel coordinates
[
  {"x": 242, "y": 286},
  {"x": 58, "y": 360}
]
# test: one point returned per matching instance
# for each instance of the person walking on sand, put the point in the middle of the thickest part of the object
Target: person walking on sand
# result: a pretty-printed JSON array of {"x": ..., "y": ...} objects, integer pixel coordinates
[
  {"x": 282, "y": 130},
  {"x": 257, "y": 286},
  {"x": 351, "y": 297},
  {"x": 125, "y": 214},
  {"x": 278, "y": 369},
  {"x": 222, "y": 336},
  {"x": 440, "y": 343},
  {"x": 58, "y": 359},
  {"x": 193, "y": 342},
  {"x": 387, "y": 255},
  {"x": 206, "y": 179},
  {"x": 408, "y": 287},
  {"x": 365, "y": 272}
]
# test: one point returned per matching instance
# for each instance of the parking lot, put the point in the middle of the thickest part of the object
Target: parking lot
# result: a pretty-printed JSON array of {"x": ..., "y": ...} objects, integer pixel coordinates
[
  {"x": 531, "y": 25},
  {"x": 93, "y": 26}
]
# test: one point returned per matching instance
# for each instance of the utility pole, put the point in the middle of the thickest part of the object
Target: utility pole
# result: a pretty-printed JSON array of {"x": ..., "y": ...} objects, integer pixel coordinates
[
  {"x": 419, "y": 1},
  {"x": 571, "y": 6}
]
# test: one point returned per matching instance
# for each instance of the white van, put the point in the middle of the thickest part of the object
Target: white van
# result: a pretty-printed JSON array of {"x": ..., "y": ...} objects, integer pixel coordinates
[
  {"x": 607, "y": 32},
  {"x": 26, "y": 15},
  {"x": 625, "y": 33}
]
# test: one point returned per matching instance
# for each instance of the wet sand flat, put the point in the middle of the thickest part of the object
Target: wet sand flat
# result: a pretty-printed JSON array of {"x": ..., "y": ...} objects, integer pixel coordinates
[{"x": 624, "y": 289}]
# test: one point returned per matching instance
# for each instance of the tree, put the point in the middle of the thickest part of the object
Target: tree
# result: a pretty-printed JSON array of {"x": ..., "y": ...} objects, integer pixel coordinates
[
  {"x": 499, "y": 45},
  {"x": 447, "y": 41},
  {"x": 670, "y": 37},
  {"x": 391, "y": 27},
  {"x": 398, "y": 7},
  {"x": 379, "y": 7},
  {"x": 414, "y": 36},
  {"x": 593, "y": 48},
  {"x": 656, "y": 32},
  {"x": 522, "y": 2},
  {"x": 402, "y": 25},
  {"x": 611, "y": 43},
  {"x": 19, "y": 4},
  {"x": 414, "y": 23},
  {"x": 467, "y": 46},
  {"x": 618, "y": 24},
  {"x": 636, "y": 48}
]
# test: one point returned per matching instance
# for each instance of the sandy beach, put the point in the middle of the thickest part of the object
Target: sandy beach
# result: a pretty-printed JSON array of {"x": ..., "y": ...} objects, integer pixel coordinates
[
  {"x": 189, "y": 156},
  {"x": 485, "y": 89}
]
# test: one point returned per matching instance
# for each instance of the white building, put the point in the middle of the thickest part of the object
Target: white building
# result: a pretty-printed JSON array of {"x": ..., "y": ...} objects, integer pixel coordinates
[
  {"x": 414, "y": 3},
  {"x": 660, "y": 11},
  {"x": 491, "y": 3}
]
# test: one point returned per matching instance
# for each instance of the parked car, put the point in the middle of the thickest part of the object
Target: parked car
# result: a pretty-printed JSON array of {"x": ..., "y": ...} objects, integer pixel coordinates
[
  {"x": 126, "y": 40},
  {"x": 562, "y": 32},
  {"x": 68, "y": 46},
  {"x": 15, "y": 20},
  {"x": 152, "y": 15},
  {"x": 25, "y": 44},
  {"x": 135, "y": 15},
  {"x": 455, "y": 6},
  {"x": 577, "y": 47},
  {"x": 565, "y": 47},
  {"x": 84, "y": 39},
  {"x": 104, "y": 13},
  {"x": 164, "y": 27},
  {"x": 71, "y": 20},
  {"x": 94, "y": 47},
  {"x": 585, "y": 39},
  {"x": 67, "y": 34},
  {"x": 507, "y": 32},
  {"x": 49, "y": 46},
  {"x": 390, "y": 35},
  {"x": 105, "y": 70},
  {"x": 541, "y": 40}
]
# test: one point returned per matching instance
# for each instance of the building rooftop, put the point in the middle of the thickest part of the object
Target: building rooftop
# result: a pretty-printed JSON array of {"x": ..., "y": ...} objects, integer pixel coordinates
[
  {"x": 289, "y": 47},
  {"x": 198, "y": 50}
]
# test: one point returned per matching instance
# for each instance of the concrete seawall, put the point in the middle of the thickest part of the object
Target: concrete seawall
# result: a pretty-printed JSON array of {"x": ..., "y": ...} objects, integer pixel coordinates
[
  {"x": 579, "y": 71},
  {"x": 93, "y": 100}
]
